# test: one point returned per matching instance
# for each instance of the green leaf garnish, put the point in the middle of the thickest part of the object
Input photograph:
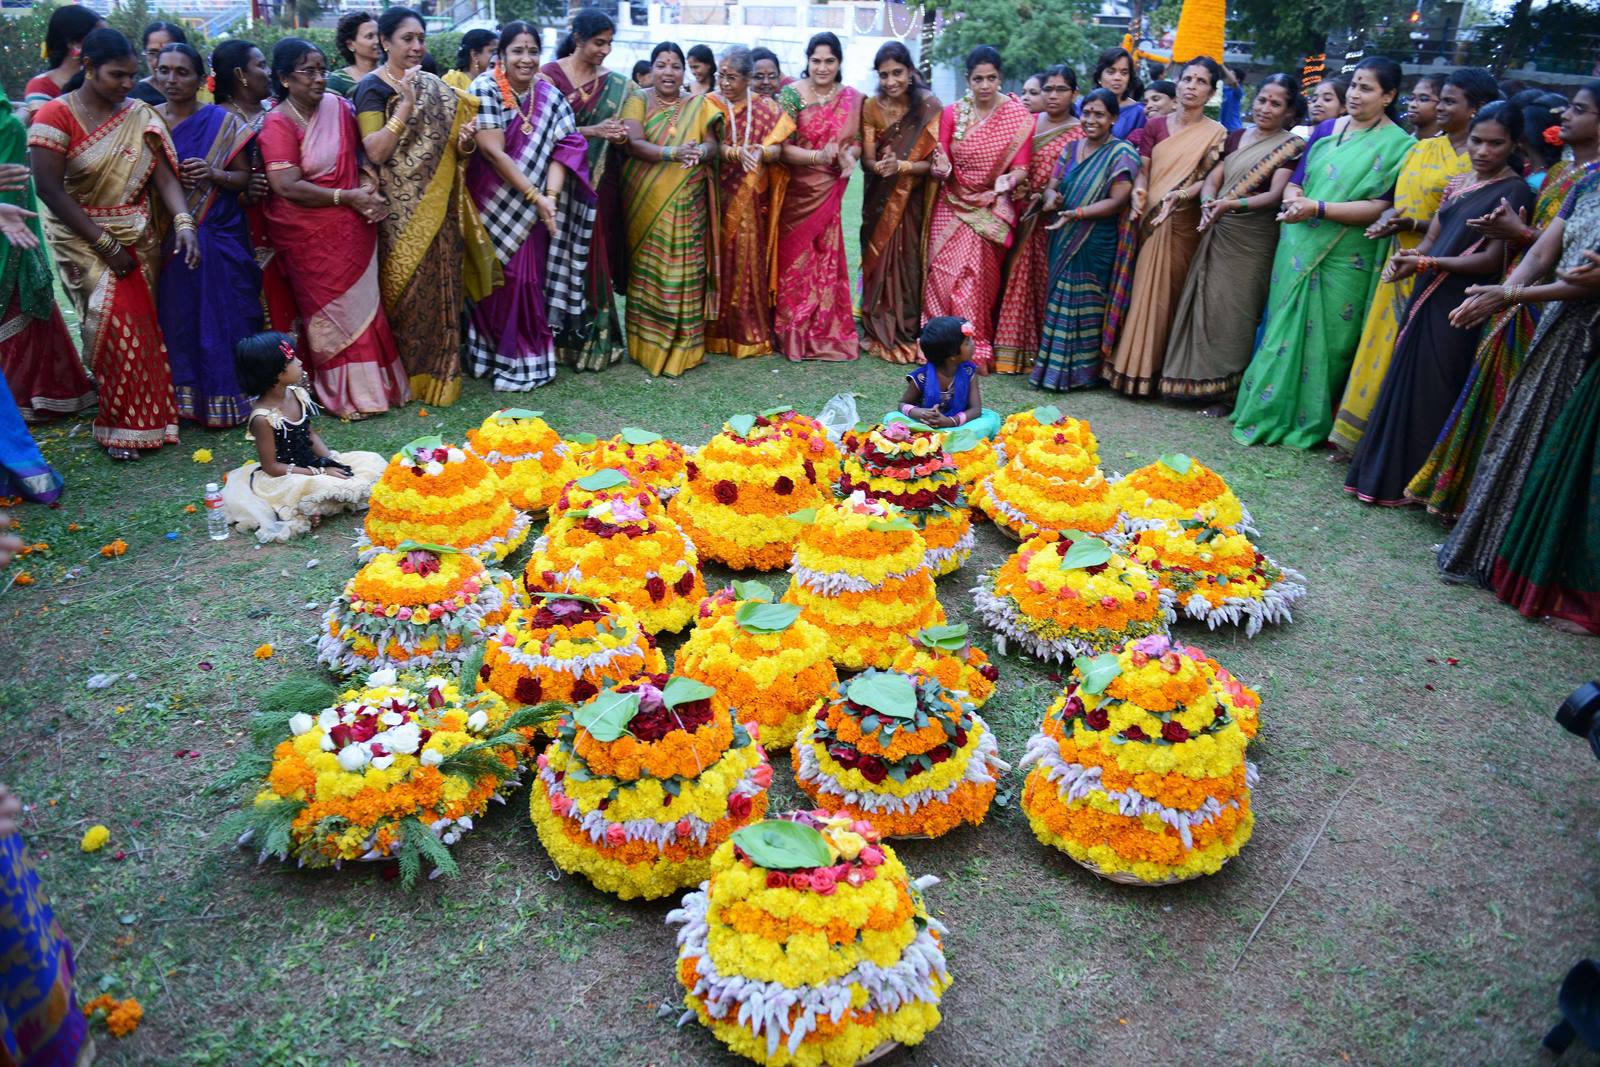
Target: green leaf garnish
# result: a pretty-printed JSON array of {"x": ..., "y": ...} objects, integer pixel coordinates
[
  {"x": 1090, "y": 552},
  {"x": 681, "y": 690},
  {"x": 899, "y": 522},
  {"x": 409, "y": 545},
  {"x": 635, "y": 436},
  {"x": 607, "y": 716},
  {"x": 585, "y": 439},
  {"x": 805, "y": 516},
  {"x": 567, "y": 596},
  {"x": 961, "y": 441},
  {"x": 781, "y": 845},
  {"x": 1098, "y": 671},
  {"x": 743, "y": 590},
  {"x": 886, "y": 693},
  {"x": 756, "y": 618},
  {"x": 432, "y": 441},
  {"x": 1177, "y": 461},
  {"x": 609, "y": 478},
  {"x": 950, "y": 638},
  {"x": 1047, "y": 415},
  {"x": 742, "y": 424},
  {"x": 767, "y": 413},
  {"x": 516, "y": 414}
]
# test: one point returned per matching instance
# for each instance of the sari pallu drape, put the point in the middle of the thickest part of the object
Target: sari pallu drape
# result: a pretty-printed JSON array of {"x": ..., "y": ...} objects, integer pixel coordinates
[
  {"x": 1427, "y": 169},
  {"x": 432, "y": 251},
  {"x": 1322, "y": 278},
  {"x": 108, "y": 173},
  {"x": 1022, "y": 294},
  {"x": 278, "y": 310},
  {"x": 1220, "y": 307},
  {"x": 970, "y": 229},
  {"x": 601, "y": 342},
  {"x": 37, "y": 357},
  {"x": 1084, "y": 296},
  {"x": 749, "y": 202},
  {"x": 1444, "y": 480},
  {"x": 41, "y": 1024},
  {"x": 673, "y": 240},
  {"x": 1563, "y": 347},
  {"x": 511, "y": 334},
  {"x": 1177, "y": 160},
  {"x": 894, "y": 216},
  {"x": 815, "y": 319},
  {"x": 1432, "y": 356},
  {"x": 330, "y": 256},
  {"x": 206, "y": 309}
]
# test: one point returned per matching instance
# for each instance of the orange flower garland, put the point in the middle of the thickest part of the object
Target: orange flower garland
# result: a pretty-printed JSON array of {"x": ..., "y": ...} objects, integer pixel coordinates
[
  {"x": 945, "y": 653},
  {"x": 741, "y": 488},
  {"x": 526, "y": 454},
  {"x": 860, "y": 573},
  {"x": 1138, "y": 771},
  {"x": 807, "y": 437},
  {"x": 1024, "y": 427},
  {"x": 976, "y": 458},
  {"x": 901, "y": 752},
  {"x": 1060, "y": 596},
  {"x": 435, "y": 493}
]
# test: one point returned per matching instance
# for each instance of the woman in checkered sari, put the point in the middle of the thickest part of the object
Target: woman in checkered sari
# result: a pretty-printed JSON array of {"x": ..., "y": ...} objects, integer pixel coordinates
[
  {"x": 530, "y": 182},
  {"x": 669, "y": 196}
]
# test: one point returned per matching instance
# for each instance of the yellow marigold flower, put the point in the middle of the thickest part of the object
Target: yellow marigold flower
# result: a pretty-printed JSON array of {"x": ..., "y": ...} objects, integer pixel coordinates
[
  {"x": 95, "y": 838},
  {"x": 263, "y": 651},
  {"x": 201, "y": 455}
]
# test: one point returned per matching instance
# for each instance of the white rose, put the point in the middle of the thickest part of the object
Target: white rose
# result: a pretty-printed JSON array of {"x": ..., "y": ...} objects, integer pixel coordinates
[
  {"x": 391, "y": 718},
  {"x": 404, "y": 739},
  {"x": 433, "y": 466},
  {"x": 329, "y": 718},
  {"x": 382, "y": 763},
  {"x": 387, "y": 676},
  {"x": 300, "y": 724},
  {"x": 477, "y": 721},
  {"x": 327, "y": 743},
  {"x": 352, "y": 758},
  {"x": 457, "y": 456},
  {"x": 432, "y": 757}
]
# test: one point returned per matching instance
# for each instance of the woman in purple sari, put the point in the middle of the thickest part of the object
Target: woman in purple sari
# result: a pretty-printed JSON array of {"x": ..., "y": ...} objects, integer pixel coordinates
[
  {"x": 206, "y": 308},
  {"x": 530, "y": 182}
]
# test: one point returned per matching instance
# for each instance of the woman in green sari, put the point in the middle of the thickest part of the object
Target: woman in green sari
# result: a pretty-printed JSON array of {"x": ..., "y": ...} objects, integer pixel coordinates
[
  {"x": 669, "y": 201},
  {"x": 1325, "y": 267},
  {"x": 596, "y": 96}
]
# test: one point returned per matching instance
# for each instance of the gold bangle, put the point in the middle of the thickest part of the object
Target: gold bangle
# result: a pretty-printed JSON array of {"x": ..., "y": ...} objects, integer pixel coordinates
[
  {"x": 395, "y": 126},
  {"x": 553, "y": 194},
  {"x": 530, "y": 194},
  {"x": 903, "y": 167},
  {"x": 337, "y": 193},
  {"x": 107, "y": 244},
  {"x": 183, "y": 220}
]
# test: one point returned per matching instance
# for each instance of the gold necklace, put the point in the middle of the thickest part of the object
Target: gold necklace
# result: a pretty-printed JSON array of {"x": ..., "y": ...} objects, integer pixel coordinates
[
  {"x": 677, "y": 106},
  {"x": 294, "y": 109}
]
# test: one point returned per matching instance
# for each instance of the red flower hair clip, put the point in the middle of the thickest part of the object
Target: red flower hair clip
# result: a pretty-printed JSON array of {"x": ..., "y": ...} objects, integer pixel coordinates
[
  {"x": 1552, "y": 136},
  {"x": 966, "y": 328},
  {"x": 287, "y": 349},
  {"x": 211, "y": 84}
]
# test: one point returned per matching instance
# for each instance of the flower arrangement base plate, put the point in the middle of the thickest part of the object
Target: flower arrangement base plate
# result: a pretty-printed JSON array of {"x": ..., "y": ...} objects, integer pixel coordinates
[
  {"x": 1015, "y": 535},
  {"x": 878, "y": 1053},
  {"x": 1124, "y": 878}
]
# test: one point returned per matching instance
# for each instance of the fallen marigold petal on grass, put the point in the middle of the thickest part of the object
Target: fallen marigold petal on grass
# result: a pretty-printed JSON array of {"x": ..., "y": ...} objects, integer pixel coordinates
[
  {"x": 201, "y": 455},
  {"x": 95, "y": 838},
  {"x": 263, "y": 652}
]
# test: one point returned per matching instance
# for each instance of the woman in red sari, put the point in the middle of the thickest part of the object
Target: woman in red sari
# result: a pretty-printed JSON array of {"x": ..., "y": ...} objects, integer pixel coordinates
[
  {"x": 98, "y": 157},
  {"x": 815, "y": 318},
  {"x": 1016, "y": 333},
  {"x": 984, "y": 152},
  {"x": 321, "y": 215},
  {"x": 749, "y": 189}
]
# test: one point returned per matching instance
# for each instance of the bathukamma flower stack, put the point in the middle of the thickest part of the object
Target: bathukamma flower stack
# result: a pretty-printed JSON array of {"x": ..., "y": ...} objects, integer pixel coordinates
[
  {"x": 528, "y": 456},
  {"x": 435, "y": 493},
  {"x": 906, "y": 465}
]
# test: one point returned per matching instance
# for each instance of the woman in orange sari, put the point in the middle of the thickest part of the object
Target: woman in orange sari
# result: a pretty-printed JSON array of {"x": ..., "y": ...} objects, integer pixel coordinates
[
  {"x": 1016, "y": 333},
  {"x": 321, "y": 213},
  {"x": 899, "y": 130},
  {"x": 985, "y": 147},
  {"x": 750, "y": 193},
  {"x": 97, "y": 157},
  {"x": 1178, "y": 152},
  {"x": 815, "y": 319}
]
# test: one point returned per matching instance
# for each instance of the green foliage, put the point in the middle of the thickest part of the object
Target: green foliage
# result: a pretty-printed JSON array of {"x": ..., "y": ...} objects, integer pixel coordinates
[
  {"x": 302, "y": 692},
  {"x": 1031, "y": 34},
  {"x": 1558, "y": 37},
  {"x": 417, "y": 843},
  {"x": 252, "y": 767},
  {"x": 267, "y": 824},
  {"x": 534, "y": 715}
]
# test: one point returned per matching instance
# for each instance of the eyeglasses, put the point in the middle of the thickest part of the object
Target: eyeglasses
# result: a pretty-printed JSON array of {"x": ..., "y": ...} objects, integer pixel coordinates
[{"x": 313, "y": 73}]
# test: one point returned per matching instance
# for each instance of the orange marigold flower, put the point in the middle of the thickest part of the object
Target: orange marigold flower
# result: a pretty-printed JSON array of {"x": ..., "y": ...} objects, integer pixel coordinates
[
  {"x": 263, "y": 651},
  {"x": 115, "y": 548},
  {"x": 73, "y": 527},
  {"x": 23, "y": 578}
]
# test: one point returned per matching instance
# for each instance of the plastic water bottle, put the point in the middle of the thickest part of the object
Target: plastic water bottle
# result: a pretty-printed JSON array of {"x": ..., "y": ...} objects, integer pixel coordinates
[{"x": 216, "y": 517}]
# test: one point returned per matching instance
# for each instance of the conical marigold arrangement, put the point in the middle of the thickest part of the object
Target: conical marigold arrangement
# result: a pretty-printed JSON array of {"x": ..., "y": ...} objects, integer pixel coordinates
[
  {"x": 646, "y": 455},
  {"x": 1051, "y": 483},
  {"x": 807, "y": 437},
  {"x": 906, "y": 466},
  {"x": 1065, "y": 595},
  {"x": 975, "y": 459},
  {"x": 565, "y": 649},
  {"x": 809, "y": 945},
  {"x": 527, "y": 455},
  {"x": 861, "y": 574},
  {"x": 771, "y": 665},
  {"x": 743, "y": 485},
  {"x": 1024, "y": 427},
  {"x": 434, "y": 493},
  {"x": 901, "y": 752},
  {"x": 644, "y": 782},
  {"x": 948, "y": 654},
  {"x": 1177, "y": 488},
  {"x": 1138, "y": 771},
  {"x": 618, "y": 548},
  {"x": 1217, "y": 575},
  {"x": 421, "y": 606}
]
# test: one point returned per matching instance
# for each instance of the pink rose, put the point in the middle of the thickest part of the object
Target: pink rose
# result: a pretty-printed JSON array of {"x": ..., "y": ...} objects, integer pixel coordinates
[
  {"x": 762, "y": 775},
  {"x": 800, "y": 880},
  {"x": 822, "y": 881},
  {"x": 684, "y": 828},
  {"x": 615, "y": 835},
  {"x": 871, "y": 856},
  {"x": 857, "y": 877}
]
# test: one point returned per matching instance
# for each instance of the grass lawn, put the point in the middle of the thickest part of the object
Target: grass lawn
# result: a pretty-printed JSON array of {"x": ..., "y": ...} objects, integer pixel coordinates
[{"x": 1430, "y": 923}]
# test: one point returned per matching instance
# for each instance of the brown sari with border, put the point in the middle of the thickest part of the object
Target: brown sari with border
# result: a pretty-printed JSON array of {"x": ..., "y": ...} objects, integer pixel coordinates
[
  {"x": 750, "y": 202},
  {"x": 894, "y": 217}
]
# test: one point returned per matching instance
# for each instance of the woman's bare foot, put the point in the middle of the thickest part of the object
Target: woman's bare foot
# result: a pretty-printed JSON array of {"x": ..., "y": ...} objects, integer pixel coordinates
[{"x": 124, "y": 454}]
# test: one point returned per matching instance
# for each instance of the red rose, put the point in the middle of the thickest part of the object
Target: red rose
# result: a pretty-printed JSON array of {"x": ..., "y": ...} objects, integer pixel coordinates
[
  {"x": 691, "y": 470},
  {"x": 777, "y": 880},
  {"x": 872, "y": 769},
  {"x": 811, "y": 472},
  {"x": 725, "y": 492},
  {"x": 685, "y": 585},
  {"x": 1073, "y": 707},
  {"x": 783, "y": 486},
  {"x": 940, "y": 754},
  {"x": 739, "y": 806},
  {"x": 656, "y": 588},
  {"x": 1134, "y": 733},
  {"x": 960, "y": 738},
  {"x": 527, "y": 691},
  {"x": 484, "y": 672},
  {"x": 1061, "y": 438},
  {"x": 1174, "y": 732},
  {"x": 584, "y": 690},
  {"x": 1097, "y": 719}
]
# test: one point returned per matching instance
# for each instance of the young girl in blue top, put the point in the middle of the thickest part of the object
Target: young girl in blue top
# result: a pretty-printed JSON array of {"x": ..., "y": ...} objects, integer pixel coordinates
[{"x": 943, "y": 392}]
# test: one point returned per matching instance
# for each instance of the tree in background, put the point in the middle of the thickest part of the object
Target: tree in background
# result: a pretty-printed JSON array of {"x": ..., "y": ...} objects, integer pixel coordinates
[{"x": 1031, "y": 34}]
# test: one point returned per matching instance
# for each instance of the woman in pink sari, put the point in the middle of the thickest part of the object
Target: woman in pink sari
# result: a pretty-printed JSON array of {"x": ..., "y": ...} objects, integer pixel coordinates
[
  {"x": 815, "y": 318},
  {"x": 985, "y": 146},
  {"x": 321, "y": 215}
]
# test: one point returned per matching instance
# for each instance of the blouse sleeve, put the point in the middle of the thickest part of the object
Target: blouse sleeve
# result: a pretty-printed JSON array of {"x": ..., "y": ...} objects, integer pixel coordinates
[
  {"x": 51, "y": 129},
  {"x": 789, "y": 100},
  {"x": 279, "y": 148},
  {"x": 947, "y": 128},
  {"x": 371, "y": 105},
  {"x": 633, "y": 108},
  {"x": 1323, "y": 129},
  {"x": 491, "y": 109}
]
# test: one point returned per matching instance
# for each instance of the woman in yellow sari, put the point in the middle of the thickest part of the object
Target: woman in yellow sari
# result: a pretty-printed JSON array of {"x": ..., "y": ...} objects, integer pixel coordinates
[
  {"x": 100, "y": 160},
  {"x": 1427, "y": 169},
  {"x": 669, "y": 200},
  {"x": 751, "y": 190},
  {"x": 431, "y": 247}
]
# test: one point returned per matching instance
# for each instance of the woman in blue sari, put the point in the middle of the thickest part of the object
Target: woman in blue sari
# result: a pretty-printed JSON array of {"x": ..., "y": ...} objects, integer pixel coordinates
[{"x": 205, "y": 309}]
